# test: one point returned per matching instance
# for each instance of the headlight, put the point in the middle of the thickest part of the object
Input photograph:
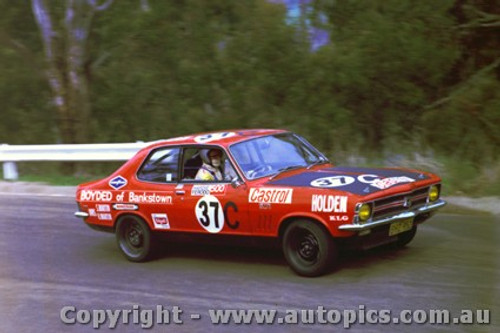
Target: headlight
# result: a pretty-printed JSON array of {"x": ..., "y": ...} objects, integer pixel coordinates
[
  {"x": 364, "y": 212},
  {"x": 433, "y": 193}
]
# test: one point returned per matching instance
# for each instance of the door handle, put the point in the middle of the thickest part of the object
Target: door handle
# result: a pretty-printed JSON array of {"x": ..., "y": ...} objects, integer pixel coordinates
[{"x": 180, "y": 192}]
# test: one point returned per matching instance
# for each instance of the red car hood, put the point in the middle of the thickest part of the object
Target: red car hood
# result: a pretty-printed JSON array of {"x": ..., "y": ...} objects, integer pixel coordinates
[{"x": 359, "y": 181}]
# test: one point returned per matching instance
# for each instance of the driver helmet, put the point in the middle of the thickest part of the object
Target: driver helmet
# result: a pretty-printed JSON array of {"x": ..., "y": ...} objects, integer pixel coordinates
[{"x": 208, "y": 156}]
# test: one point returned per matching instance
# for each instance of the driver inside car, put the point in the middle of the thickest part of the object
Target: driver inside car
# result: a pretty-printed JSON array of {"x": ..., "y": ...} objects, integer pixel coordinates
[{"x": 211, "y": 169}]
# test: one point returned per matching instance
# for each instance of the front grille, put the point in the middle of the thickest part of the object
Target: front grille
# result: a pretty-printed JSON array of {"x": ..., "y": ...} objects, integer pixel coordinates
[{"x": 400, "y": 203}]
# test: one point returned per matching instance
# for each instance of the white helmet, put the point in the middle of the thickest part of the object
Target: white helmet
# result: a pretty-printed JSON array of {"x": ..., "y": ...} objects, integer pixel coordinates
[{"x": 207, "y": 154}]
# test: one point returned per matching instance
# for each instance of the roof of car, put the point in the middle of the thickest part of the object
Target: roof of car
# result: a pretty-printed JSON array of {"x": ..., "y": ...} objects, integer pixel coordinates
[{"x": 223, "y": 138}]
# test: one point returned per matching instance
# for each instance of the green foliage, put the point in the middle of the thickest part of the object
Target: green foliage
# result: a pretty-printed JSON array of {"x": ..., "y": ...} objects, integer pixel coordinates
[
  {"x": 389, "y": 59},
  {"x": 24, "y": 112},
  {"x": 197, "y": 66},
  {"x": 189, "y": 66},
  {"x": 468, "y": 124}
]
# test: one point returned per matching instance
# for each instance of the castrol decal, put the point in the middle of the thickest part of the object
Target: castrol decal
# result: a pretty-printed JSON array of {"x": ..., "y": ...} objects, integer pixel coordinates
[{"x": 276, "y": 195}]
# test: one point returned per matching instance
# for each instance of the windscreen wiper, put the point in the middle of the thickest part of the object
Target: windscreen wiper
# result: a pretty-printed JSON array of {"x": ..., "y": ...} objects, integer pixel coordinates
[
  {"x": 318, "y": 162},
  {"x": 288, "y": 168}
]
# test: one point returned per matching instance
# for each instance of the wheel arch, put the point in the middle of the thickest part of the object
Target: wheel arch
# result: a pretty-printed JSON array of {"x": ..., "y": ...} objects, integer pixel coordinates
[
  {"x": 287, "y": 220},
  {"x": 125, "y": 214}
]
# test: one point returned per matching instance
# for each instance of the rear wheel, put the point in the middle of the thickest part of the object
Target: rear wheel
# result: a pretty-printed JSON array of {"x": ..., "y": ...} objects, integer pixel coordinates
[
  {"x": 134, "y": 238},
  {"x": 308, "y": 248}
]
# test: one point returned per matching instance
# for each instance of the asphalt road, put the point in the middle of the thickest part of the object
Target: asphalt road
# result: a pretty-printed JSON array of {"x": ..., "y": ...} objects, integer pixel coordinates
[{"x": 50, "y": 260}]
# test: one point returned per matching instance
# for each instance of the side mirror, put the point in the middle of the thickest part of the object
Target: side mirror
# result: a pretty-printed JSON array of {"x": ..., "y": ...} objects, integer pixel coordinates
[{"x": 236, "y": 182}]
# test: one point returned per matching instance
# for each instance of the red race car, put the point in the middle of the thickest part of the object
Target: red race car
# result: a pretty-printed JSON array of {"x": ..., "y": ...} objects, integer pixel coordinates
[{"x": 258, "y": 184}]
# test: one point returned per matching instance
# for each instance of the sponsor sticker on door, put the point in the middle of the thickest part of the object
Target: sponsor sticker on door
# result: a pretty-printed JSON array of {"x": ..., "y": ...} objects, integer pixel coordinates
[
  {"x": 270, "y": 195},
  {"x": 160, "y": 221}
]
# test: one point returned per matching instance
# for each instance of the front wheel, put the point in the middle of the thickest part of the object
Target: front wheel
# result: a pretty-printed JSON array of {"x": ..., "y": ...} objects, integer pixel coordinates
[
  {"x": 405, "y": 237},
  {"x": 134, "y": 238},
  {"x": 308, "y": 248}
]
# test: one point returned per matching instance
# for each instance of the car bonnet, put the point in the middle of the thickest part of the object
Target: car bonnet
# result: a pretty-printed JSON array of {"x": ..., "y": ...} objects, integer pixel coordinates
[{"x": 359, "y": 181}]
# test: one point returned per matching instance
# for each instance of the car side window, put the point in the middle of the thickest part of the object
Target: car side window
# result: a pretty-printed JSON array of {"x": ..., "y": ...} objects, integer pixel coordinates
[
  {"x": 192, "y": 162},
  {"x": 161, "y": 166}
]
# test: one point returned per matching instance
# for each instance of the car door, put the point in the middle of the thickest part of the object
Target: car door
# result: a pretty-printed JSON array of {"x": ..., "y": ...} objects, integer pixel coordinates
[
  {"x": 214, "y": 207},
  {"x": 154, "y": 189}
]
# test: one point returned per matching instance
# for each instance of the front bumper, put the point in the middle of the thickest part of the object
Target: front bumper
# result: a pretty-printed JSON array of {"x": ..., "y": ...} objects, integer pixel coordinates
[{"x": 428, "y": 208}]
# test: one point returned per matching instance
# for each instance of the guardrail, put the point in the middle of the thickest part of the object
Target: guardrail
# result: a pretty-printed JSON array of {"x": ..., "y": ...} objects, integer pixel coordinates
[{"x": 10, "y": 154}]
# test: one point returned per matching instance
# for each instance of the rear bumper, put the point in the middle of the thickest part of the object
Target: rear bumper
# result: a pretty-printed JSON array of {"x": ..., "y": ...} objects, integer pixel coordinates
[
  {"x": 82, "y": 215},
  {"x": 427, "y": 209}
]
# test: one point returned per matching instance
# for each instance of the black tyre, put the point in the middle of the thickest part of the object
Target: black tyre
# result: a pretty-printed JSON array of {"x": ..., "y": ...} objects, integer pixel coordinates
[
  {"x": 405, "y": 237},
  {"x": 134, "y": 238},
  {"x": 308, "y": 248}
]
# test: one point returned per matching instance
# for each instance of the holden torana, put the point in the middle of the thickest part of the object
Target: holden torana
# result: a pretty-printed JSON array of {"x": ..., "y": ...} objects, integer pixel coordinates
[{"x": 259, "y": 184}]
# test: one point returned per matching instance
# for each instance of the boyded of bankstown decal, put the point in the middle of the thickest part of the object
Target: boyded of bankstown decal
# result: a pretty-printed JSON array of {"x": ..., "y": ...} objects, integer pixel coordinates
[
  {"x": 89, "y": 195},
  {"x": 270, "y": 195},
  {"x": 146, "y": 197}
]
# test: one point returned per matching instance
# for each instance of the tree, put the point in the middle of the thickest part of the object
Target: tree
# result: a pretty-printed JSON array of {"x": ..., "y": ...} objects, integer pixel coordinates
[
  {"x": 64, "y": 43},
  {"x": 23, "y": 92},
  {"x": 466, "y": 113},
  {"x": 386, "y": 60}
]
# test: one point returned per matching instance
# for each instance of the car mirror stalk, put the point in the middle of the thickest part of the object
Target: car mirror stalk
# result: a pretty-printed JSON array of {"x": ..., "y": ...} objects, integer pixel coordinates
[{"x": 236, "y": 182}]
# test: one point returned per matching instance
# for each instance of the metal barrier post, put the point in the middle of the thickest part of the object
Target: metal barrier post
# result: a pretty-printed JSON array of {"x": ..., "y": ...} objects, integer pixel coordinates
[{"x": 10, "y": 171}]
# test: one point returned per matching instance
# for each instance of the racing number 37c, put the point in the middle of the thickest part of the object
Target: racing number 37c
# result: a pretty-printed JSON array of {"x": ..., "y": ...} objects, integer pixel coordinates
[{"x": 209, "y": 214}]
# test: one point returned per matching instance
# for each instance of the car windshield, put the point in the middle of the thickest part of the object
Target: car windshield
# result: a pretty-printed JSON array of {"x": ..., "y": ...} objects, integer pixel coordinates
[{"x": 271, "y": 155}]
